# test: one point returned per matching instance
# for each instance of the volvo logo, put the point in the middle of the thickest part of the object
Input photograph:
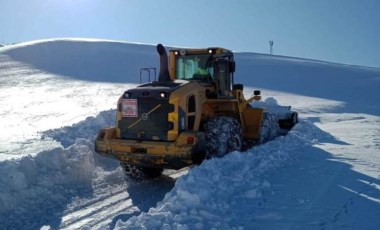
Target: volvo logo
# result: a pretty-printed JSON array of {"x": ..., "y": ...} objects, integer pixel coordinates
[{"x": 144, "y": 116}]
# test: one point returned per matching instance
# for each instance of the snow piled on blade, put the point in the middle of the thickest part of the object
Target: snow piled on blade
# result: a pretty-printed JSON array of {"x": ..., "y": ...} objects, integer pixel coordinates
[{"x": 218, "y": 193}]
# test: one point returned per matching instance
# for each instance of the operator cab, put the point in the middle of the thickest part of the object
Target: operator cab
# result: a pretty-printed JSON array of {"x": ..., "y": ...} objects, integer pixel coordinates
[{"x": 213, "y": 65}]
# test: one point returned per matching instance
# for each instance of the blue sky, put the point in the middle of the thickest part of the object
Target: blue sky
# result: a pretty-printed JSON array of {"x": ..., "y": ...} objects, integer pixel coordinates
[{"x": 343, "y": 31}]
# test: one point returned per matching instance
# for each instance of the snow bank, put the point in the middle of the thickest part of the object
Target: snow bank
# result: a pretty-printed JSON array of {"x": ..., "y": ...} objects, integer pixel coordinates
[
  {"x": 86, "y": 129},
  {"x": 221, "y": 192},
  {"x": 84, "y": 59},
  {"x": 351, "y": 85},
  {"x": 36, "y": 189},
  {"x": 32, "y": 186}
]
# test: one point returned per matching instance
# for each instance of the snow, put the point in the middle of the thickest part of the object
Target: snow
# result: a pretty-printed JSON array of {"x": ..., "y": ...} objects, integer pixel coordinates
[
  {"x": 202, "y": 199},
  {"x": 56, "y": 94}
]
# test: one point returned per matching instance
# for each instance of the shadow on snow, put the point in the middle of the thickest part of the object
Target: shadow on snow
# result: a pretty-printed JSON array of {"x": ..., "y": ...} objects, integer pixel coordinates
[
  {"x": 319, "y": 191},
  {"x": 146, "y": 195}
]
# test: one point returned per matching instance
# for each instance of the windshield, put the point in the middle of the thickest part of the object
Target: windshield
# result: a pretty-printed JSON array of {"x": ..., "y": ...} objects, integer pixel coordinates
[{"x": 194, "y": 67}]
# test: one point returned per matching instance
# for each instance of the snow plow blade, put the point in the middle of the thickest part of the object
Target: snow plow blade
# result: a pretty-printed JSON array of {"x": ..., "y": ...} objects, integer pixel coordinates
[{"x": 188, "y": 149}]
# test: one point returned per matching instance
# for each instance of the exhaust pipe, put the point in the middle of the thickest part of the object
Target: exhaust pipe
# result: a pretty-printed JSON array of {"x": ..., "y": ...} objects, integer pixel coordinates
[{"x": 164, "y": 70}]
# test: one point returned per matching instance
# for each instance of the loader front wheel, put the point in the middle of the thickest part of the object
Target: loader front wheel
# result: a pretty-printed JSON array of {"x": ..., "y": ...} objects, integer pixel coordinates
[{"x": 223, "y": 135}]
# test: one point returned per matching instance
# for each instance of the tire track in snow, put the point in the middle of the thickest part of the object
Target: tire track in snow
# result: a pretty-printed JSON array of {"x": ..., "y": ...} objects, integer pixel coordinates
[{"x": 101, "y": 211}]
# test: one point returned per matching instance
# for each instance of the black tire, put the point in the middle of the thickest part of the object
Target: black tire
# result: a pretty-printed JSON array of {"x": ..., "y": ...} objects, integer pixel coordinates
[
  {"x": 294, "y": 118},
  {"x": 223, "y": 135},
  {"x": 289, "y": 123},
  {"x": 138, "y": 174},
  {"x": 270, "y": 128},
  {"x": 150, "y": 173}
]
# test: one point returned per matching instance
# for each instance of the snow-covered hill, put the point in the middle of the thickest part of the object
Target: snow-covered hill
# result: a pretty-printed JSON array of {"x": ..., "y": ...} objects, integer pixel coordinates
[{"x": 56, "y": 94}]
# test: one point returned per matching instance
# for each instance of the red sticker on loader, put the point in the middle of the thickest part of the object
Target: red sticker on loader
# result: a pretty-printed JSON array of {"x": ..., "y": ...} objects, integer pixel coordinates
[{"x": 129, "y": 108}]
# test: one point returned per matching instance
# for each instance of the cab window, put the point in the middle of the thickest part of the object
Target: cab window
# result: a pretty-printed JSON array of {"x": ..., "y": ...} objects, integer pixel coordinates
[{"x": 194, "y": 67}]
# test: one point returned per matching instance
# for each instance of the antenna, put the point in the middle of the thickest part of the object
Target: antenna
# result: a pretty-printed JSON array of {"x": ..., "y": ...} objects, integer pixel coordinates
[{"x": 271, "y": 47}]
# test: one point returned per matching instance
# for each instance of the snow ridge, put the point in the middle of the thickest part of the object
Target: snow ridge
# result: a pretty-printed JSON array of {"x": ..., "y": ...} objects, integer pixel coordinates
[
  {"x": 86, "y": 129},
  {"x": 33, "y": 189},
  {"x": 218, "y": 193}
]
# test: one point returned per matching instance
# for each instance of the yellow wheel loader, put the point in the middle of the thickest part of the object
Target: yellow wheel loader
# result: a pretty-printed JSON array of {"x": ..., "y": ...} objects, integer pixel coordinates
[{"x": 194, "y": 111}]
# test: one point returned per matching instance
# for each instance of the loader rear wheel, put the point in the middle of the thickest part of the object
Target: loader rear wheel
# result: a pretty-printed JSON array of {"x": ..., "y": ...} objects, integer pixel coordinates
[
  {"x": 223, "y": 135},
  {"x": 140, "y": 173},
  {"x": 150, "y": 173}
]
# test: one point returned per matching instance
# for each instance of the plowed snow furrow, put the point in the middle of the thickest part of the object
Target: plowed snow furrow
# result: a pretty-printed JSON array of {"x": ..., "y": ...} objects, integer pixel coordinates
[{"x": 100, "y": 211}]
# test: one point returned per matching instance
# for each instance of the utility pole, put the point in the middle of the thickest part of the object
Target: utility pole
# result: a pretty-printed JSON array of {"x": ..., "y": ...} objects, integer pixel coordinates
[{"x": 271, "y": 47}]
